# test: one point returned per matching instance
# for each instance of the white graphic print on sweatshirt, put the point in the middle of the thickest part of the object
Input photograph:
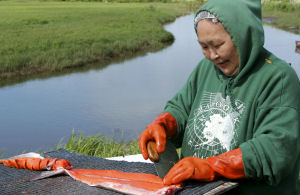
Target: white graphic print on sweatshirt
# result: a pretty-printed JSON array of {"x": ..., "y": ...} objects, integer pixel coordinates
[{"x": 212, "y": 130}]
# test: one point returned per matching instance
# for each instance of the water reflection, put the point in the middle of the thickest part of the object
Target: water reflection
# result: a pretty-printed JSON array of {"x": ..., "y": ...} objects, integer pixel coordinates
[
  {"x": 66, "y": 71},
  {"x": 297, "y": 49},
  {"x": 282, "y": 44},
  {"x": 118, "y": 100}
]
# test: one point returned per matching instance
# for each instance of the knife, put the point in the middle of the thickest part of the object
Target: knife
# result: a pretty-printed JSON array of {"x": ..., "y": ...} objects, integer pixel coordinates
[{"x": 163, "y": 162}]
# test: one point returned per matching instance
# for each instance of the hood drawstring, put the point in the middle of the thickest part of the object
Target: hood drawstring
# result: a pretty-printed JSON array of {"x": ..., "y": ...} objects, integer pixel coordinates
[{"x": 229, "y": 93}]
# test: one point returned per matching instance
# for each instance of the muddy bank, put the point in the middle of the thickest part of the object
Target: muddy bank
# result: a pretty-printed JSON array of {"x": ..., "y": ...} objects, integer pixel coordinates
[{"x": 273, "y": 22}]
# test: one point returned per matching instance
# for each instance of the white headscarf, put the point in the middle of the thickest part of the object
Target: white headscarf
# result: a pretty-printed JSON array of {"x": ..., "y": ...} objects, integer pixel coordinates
[{"x": 204, "y": 15}]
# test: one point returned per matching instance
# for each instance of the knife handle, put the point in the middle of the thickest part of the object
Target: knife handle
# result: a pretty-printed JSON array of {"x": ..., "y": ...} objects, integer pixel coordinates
[{"x": 151, "y": 148}]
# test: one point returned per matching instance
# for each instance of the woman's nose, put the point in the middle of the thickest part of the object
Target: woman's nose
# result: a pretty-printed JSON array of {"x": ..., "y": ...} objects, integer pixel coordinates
[{"x": 213, "y": 55}]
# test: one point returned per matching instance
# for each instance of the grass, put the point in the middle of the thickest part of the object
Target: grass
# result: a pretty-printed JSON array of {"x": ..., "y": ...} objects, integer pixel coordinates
[
  {"x": 49, "y": 36},
  {"x": 100, "y": 146},
  {"x": 287, "y": 15},
  {"x": 54, "y": 36}
]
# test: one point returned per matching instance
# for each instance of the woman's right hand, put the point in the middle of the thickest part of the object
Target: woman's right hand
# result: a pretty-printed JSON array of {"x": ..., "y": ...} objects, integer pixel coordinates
[
  {"x": 153, "y": 132},
  {"x": 164, "y": 126}
]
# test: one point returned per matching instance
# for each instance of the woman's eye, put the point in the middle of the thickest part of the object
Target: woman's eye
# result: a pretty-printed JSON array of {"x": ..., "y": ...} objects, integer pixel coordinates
[{"x": 218, "y": 45}]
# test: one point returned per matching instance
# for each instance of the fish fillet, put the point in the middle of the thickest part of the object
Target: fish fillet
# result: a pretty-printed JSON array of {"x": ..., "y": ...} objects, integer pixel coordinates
[{"x": 129, "y": 183}]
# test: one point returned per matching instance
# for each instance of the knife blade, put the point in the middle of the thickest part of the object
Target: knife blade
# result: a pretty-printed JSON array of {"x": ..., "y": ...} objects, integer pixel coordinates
[{"x": 163, "y": 162}]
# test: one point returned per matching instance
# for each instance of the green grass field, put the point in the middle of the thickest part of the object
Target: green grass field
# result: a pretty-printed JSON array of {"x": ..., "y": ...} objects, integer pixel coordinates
[
  {"x": 287, "y": 15},
  {"x": 51, "y": 36},
  {"x": 48, "y": 36}
]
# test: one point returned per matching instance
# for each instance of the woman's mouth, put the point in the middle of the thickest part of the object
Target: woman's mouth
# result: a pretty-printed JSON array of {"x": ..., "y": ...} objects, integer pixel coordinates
[{"x": 222, "y": 64}]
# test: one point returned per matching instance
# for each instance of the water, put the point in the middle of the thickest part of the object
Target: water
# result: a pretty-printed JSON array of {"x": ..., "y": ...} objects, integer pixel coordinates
[
  {"x": 117, "y": 101},
  {"x": 283, "y": 45}
]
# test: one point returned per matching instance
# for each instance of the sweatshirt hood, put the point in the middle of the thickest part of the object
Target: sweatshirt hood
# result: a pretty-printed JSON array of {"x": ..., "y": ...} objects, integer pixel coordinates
[{"x": 242, "y": 20}]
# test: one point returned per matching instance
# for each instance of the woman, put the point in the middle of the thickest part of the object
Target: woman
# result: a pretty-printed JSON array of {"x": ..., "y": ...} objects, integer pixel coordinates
[{"x": 237, "y": 116}]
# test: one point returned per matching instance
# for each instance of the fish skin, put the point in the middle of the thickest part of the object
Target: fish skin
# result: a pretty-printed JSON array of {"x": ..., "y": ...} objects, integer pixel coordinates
[
  {"x": 45, "y": 162},
  {"x": 61, "y": 163},
  {"x": 29, "y": 154},
  {"x": 22, "y": 163},
  {"x": 37, "y": 164},
  {"x": 46, "y": 174}
]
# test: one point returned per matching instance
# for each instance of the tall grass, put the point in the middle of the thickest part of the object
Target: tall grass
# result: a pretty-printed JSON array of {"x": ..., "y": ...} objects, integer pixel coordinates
[
  {"x": 100, "y": 146},
  {"x": 287, "y": 14},
  {"x": 284, "y": 6},
  {"x": 141, "y": 1},
  {"x": 49, "y": 36},
  {"x": 125, "y": 1}
]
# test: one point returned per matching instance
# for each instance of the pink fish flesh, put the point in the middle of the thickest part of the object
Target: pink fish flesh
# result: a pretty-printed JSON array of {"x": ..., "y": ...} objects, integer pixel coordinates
[{"x": 129, "y": 183}]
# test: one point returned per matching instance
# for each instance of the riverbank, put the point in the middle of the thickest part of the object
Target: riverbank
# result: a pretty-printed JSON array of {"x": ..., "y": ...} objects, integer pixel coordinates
[
  {"x": 283, "y": 15},
  {"x": 51, "y": 36}
]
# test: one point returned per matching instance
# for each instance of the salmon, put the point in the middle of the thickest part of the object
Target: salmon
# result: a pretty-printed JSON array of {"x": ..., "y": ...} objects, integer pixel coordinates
[
  {"x": 129, "y": 183},
  {"x": 34, "y": 161},
  {"x": 125, "y": 182}
]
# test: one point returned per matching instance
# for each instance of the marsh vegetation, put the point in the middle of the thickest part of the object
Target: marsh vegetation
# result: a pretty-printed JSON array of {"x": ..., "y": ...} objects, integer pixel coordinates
[
  {"x": 286, "y": 15},
  {"x": 99, "y": 145},
  {"x": 49, "y": 36}
]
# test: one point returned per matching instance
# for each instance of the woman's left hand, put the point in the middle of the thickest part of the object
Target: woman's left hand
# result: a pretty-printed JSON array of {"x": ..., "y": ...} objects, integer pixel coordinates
[
  {"x": 228, "y": 164},
  {"x": 190, "y": 168}
]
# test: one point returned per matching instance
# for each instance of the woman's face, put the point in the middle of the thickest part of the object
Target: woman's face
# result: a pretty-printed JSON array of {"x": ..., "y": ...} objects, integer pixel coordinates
[{"x": 218, "y": 47}]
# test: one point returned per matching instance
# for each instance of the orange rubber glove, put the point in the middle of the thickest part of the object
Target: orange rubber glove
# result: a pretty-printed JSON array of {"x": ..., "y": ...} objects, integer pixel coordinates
[
  {"x": 228, "y": 164},
  {"x": 163, "y": 126}
]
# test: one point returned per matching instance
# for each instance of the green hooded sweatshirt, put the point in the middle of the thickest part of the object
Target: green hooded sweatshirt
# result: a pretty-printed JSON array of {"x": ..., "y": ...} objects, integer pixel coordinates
[{"x": 257, "y": 110}]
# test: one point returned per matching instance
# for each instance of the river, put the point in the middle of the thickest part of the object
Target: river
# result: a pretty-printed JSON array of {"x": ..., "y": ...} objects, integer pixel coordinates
[{"x": 117, "y": 101}]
